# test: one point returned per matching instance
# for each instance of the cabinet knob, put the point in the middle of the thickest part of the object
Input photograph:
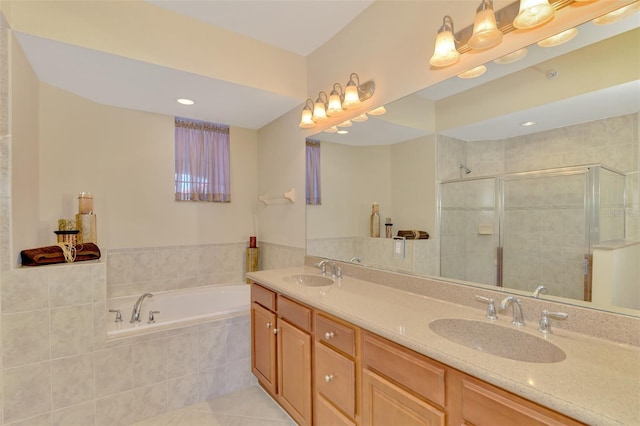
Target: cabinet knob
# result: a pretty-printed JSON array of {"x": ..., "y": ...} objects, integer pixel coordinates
[
  {"x": 269, "y": 325},
  {"x": 329, "y": 335},
  {"x": 328, "y": 378},
  {"x": 275, "y": 331}
]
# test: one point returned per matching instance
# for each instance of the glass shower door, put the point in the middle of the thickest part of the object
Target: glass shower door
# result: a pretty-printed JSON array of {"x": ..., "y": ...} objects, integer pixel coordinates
[{"x": 545, "y": 232}]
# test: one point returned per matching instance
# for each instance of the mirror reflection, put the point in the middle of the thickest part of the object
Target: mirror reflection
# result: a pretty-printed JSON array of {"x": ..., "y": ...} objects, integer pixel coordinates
[{"x": 554, "y": 203}]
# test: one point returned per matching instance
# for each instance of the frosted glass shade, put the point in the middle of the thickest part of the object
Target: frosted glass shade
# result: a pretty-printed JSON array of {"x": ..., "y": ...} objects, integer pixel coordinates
[
  {"x": 533, "y": 13},
  {"x": 306, "y": 121},
  {"x": 335, "y": 104},
  {"x": 618, "y": 15},
  {"x": 445, "y": 52},
  {"x": 485, "y": 31},
  {"x": 473, "y": 72},
  {"x": 319, "y": 111},
  {"x": 558, "y": 39},
  {"x": 351, "y": 98}
]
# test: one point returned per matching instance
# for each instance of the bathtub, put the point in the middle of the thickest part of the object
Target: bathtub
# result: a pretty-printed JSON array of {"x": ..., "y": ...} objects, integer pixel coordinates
[{"x": 178, "y": 308}]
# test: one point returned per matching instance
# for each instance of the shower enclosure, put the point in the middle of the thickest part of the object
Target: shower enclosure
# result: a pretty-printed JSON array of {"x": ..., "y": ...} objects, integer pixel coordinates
[{"x": 522, "y": 230}]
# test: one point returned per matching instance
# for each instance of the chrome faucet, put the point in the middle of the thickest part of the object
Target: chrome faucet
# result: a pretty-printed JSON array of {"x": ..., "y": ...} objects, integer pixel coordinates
[
  {"x": 135, "y": 314},
  {"x": 355, "y": 260},
  {"x": 336, "y": 272},
  {"x": 539, "y": 290},
  {"x": 518, "y": 317}
]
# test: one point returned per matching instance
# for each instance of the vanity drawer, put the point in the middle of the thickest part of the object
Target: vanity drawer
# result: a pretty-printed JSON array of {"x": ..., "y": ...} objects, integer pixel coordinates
[
  {"x": 335, "y": 379},
  {"x": 335, "y": 334},
  {"x": 264, "y": 297},
  {"x": 294, "y": 313},
  {"x": 421, "y": 375}
]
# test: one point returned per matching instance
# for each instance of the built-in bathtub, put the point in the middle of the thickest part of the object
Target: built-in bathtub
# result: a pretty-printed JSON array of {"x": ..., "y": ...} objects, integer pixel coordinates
[{"x": 178, "y": 308}]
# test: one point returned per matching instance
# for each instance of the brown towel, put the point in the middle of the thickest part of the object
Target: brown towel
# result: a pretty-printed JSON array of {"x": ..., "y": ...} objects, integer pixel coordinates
[
  {"x": 53, "y": 254},
  {"x": 414, "y": 235}
]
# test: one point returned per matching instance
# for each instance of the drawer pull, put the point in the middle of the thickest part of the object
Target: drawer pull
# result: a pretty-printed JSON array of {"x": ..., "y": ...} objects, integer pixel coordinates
[
  {"x": 329, "y": 335},
  {"x": 275, "y": 331},
  {"x": 328, "y": 378},
  {"x": 269, "y": 325}
]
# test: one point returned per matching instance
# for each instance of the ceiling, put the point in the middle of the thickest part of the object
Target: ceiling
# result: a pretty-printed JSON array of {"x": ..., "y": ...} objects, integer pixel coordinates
[{"x": 119, "y": 81}]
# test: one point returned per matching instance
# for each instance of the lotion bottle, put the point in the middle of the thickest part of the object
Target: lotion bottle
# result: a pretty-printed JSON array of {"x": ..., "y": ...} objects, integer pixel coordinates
[{"x": 375, "y": 221}]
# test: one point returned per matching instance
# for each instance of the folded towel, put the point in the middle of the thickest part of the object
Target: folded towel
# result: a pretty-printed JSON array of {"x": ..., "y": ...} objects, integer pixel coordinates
[
  {"x": 54, "y": 254},
  {"x": 414, "y": 235}
]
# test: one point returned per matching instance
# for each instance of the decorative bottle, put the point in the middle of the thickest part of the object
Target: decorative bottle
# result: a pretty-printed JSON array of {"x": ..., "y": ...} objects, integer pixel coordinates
[
  {"x": 388, "y": 228},
  {"x": 375, "y": 221}
]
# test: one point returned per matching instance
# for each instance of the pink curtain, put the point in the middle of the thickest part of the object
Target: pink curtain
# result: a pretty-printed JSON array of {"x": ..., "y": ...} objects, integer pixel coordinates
[
  {"x": 202, "y": 161},
  {"x": 313, "y": 172}
]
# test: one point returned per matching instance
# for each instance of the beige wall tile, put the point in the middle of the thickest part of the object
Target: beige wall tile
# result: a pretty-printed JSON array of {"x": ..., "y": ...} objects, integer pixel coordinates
[
  {"x": 25, "y": 338},
  {"x": 150, "y": 363},
  {"x": 70, "y": 285},
  {"x": 116, "y": 410},
  {"x": 182, "y": 356},
  {"x": 183, "y": 391},
  {"x": 113, "y": 370},
  {"x": 149, "y": 401},
  {"x": 78, "y": 415},
  {"x": 27, "y": 391},
  {"x": 24, "y": 291},
  {"x": 72, "y": 380},
  {"x": 71, "y": 330}
]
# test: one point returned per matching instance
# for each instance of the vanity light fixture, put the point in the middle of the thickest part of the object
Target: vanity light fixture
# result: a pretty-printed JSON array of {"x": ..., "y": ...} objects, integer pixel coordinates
[
  {"x": 334, "y": 105},
  {"x": 618, "y": 15},
  {"x": 558, "y": 39},
  {"x": 473, "y": 72},
  {"x": 445, "y": 52},
  {"x": 485, "y": 29},
  {"x": 533, "y": 13},
  {"x": 512, "y": 57},
  {"x": 335, "y": 101},
  {"x": 306, "y": 121},
  {"x": 185, "y": 101},
  {"x": 320, "y": 108}
]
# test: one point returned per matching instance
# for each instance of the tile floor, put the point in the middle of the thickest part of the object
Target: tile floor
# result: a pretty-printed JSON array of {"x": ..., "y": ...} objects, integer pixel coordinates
[{"x": 246, "y": 407}]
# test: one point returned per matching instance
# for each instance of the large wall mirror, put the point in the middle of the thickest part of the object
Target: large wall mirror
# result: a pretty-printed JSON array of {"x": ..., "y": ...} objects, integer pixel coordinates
[{"x": 554, "y": 203}]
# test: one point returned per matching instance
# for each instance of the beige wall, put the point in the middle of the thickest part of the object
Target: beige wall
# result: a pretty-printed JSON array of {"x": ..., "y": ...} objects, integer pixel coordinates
[
  {"x": 25, "y": 182},
  {"x": 126, "y": 159}
]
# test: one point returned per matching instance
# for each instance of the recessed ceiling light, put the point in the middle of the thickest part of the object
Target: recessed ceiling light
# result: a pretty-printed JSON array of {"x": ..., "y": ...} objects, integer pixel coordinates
[
  {"x": 378, "y": 111},
  {"x": 331, "y": 129},
  {"x": 343, "y": 132},
  {"x": 185, "y": 101},
  {"x": 528, "y": 123}
]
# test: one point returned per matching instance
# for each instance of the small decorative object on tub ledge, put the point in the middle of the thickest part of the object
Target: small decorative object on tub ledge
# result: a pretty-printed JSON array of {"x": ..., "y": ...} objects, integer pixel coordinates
[
  {"x": 290, "y": 195},
  {"x": 414, "y": 234},
  {"x": 55, "y": 254}
]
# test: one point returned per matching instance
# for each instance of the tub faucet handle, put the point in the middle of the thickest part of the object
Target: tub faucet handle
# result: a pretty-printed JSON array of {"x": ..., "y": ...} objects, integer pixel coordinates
[
  {"x": 118, "y": 314},
  {"x": 152, "y": 319},
  {"x": 491, "y": 307}
]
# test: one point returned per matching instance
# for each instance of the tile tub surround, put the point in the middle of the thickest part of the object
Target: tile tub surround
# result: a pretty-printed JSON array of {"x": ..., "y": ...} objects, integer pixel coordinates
[
  {"x": 585, "y": 386},
  {"x": 58, "y": 368},
  {"x": 135, "y": 271}
]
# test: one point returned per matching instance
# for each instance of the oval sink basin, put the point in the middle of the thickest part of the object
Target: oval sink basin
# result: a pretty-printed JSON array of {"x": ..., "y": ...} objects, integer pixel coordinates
[
  {"x": 308, "y": 280},
  {"x": 497, "y": 340}
]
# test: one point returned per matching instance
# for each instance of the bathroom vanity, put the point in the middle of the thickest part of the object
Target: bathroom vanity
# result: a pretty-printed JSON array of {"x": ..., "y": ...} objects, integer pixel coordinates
[{"x": 353, "y": 352}]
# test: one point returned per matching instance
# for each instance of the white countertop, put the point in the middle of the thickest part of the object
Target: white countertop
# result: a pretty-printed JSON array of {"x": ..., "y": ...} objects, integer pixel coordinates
[{"x": 598, "y": 383}]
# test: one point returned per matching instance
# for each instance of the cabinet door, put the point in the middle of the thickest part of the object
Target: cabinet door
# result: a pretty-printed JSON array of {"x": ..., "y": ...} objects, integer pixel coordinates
[
  {"x": 294, "y": 372},
  {"x": 387, "y": 404},
  {"x": 263, "y": 347}
]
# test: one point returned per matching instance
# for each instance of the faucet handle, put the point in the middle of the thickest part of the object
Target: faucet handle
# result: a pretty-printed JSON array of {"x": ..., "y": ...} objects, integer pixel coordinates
[
  {"x": 151, "y": 317},
  {"x": 118, "y": 314},
  {"x": 491, "y": 307},
  {"x": 323, "y": 266},
  {"x": 545, "y": 325},
  {"x": 338, "y": 272}
]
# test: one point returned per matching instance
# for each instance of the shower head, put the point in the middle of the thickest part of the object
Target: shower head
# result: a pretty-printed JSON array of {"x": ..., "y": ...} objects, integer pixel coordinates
[{"x": 465, "y": 168}]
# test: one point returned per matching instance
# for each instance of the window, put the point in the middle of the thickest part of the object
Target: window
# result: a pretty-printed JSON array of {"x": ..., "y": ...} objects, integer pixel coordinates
[
  {"x": 313, "y": 172},
  {"x": 202, "y": 161}
]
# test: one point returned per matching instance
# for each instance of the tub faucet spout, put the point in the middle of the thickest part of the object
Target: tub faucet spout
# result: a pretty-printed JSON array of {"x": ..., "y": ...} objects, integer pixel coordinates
[{"x": 135, "y": 314}]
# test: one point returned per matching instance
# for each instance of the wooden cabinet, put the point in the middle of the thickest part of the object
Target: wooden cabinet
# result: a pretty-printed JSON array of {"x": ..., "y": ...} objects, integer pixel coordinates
[
  {"x": 336, "y": 370},
  {"x": 400, "y": 386},
  {"x": 281, "y": 351},
  {"x": 326, "y": 371}
]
